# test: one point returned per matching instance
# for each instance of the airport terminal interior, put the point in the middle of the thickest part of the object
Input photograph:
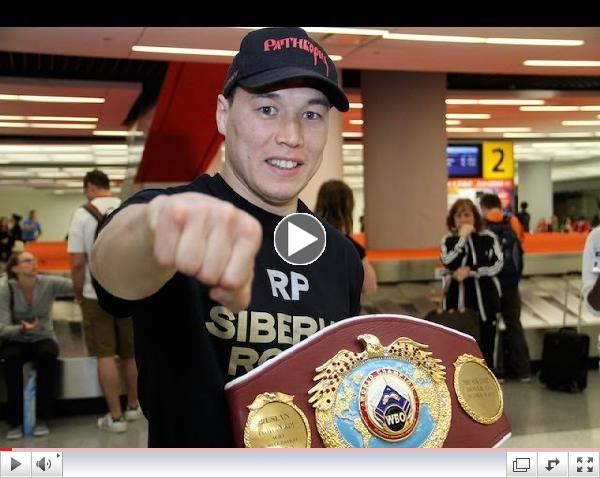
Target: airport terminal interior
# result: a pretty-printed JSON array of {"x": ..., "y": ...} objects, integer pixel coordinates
[{"x": 436, "y": 114}]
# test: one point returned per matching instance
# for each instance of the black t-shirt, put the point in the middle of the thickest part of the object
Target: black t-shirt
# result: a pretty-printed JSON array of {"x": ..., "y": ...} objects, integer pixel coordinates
[{"x": 187, "y": 346}]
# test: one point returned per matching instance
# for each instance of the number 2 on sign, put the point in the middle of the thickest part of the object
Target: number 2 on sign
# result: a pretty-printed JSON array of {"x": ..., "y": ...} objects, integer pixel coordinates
[
  {"x": 497, "y": 168},
  {"x": 498, "y": 160}
]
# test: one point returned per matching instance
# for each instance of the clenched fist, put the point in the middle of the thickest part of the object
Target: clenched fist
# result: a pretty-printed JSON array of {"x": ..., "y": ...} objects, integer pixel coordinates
[{"x": 209, "y": 239}]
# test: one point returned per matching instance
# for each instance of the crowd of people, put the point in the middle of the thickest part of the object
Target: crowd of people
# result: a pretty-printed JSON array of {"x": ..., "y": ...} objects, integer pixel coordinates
[{"x": 15, "y": 231}]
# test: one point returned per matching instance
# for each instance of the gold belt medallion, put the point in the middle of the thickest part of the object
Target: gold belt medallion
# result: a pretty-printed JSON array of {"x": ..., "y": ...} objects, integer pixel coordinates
[
  {"x": 275, "y": 421},
  {"x": 386, "y": 396},
  {"x": 477, "y": 389}
]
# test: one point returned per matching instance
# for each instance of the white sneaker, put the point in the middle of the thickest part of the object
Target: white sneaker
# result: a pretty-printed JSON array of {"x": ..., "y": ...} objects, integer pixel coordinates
[
  {"x": 109, "y": 423},
  {"x": 133, "y": 413},
  {"x": 14, "y": 433},
  {"x": 40, "y": 430}
]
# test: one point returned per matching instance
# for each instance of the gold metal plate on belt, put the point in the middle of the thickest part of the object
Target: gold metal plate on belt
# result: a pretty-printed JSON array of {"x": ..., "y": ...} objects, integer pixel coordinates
[
  {"x": 275, "y": 421},
  {"x": 478, "y": 390}
]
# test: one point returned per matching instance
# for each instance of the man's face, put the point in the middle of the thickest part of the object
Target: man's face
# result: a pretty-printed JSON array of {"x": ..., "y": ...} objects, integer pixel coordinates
[
  {"x": 274, "y": 142},
  {"x": 89, "y": 191}
]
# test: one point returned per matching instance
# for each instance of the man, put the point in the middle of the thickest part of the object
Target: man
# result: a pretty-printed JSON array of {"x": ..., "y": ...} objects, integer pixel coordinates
[
  {"x": 524, "y": 216},
  {"x": 196, "y": 264},
  {"x": 32, "y": 229},
  {"x": 510, "y": 236},
  {"x": 590, "y": 271},
  {"x": 105, "y": 335}
]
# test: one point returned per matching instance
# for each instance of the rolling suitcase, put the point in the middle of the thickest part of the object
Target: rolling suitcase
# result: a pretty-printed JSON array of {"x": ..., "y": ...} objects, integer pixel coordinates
[
  {"x": 461, "y": 319},
  {"x": 565, "y": 355}
]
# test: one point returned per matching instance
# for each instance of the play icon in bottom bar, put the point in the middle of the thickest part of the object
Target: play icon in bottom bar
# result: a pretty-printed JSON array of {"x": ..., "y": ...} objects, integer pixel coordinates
[{"x": 13, "y": 463}]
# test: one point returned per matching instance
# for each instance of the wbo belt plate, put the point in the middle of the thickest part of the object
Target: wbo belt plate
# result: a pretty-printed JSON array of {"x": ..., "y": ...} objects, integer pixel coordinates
[{"x": 392, "y": 397}]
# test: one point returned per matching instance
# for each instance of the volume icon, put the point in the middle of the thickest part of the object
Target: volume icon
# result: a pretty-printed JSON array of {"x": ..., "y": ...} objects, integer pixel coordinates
[{"x": 43, "y": 463}]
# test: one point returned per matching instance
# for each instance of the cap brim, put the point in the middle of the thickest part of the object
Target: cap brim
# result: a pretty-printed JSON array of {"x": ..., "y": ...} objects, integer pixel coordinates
[{"x": 334, "y": 93}]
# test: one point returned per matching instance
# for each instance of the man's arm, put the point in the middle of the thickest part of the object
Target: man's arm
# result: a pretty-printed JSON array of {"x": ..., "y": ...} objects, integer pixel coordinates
[
  {"x": 594, "y": 296},
  {"x": 143, "y": 246},
  {"x": 589, "y": 278},
  {"x": 78, "y": 263}
]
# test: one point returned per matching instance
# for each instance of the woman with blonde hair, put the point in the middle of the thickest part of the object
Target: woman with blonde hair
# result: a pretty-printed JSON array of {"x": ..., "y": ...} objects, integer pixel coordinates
[
  {"x": 473, "y": 257},
  {"x": 335, "y": 204}
]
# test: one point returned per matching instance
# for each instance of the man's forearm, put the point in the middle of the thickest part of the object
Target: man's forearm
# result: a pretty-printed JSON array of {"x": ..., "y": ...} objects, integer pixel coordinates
[
  {"x": 122, "y": 257},
  {"x": 78, "y": 276}
]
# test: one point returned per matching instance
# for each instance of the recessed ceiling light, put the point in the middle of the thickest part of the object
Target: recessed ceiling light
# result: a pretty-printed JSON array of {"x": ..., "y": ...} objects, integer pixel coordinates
[
  {"x": 549, "y": 108},
  {"x": 52, "y": 99},
  {"x": 62, "y": 118},
  {"x": 534, "y": 41},
  {"x": 571, "y": 135},
  {"x": 492, "y": 101},
  {"x": 510, "y": 102},
  {"x": 183, "y": 51},
  {"x": 357, "y": 121},
  {"x": 61, "y": 126},
  {"x": 507, "y": 129},
  {"x": 563, "y": 63},
  {"x": 9, "y": 124},
  {"x": 11, "y": 118},
  {"x": 468, "y": 116},
  {"x": 581, "y": 123},
  {"x": 346, "y": 31},
  {"x": 482, "y": 40},
  {"x": 356, "y": 106},
  {"x": 463, "y": 130},
  {"x": 118, "y": 133},
  {"x": 351, "y": 134},
  {"x": 524, "y": 135}
]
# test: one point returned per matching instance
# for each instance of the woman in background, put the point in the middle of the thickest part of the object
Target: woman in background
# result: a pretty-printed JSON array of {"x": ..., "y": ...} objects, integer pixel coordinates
[
  {"x": 28, "y": 335},
  {"x": 4, "y": 239},
  {"x": 472, "y": 257},
  {"x": 335, "y": 204}
]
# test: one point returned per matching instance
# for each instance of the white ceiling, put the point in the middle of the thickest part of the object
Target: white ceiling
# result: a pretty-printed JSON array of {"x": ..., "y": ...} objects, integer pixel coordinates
[{"x": 358, "y": 52}]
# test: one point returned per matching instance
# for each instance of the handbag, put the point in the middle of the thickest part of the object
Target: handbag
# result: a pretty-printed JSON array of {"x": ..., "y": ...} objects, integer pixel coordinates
[{"x": 461, "y": 319}]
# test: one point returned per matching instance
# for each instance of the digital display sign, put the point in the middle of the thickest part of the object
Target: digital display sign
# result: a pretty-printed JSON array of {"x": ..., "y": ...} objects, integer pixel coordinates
[{"x": 464, "y": 161}]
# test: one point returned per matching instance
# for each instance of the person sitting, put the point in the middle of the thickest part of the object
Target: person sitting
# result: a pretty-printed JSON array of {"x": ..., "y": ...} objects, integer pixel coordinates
[{"x": 26, "y": 300}]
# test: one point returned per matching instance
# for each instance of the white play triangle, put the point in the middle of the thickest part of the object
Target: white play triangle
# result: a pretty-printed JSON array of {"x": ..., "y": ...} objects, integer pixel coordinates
[{"x": 298, "y": 239}]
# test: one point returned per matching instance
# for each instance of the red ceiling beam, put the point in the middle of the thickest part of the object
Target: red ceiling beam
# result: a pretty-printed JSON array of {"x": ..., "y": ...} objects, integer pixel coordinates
[{"x": 183, "y": 138}]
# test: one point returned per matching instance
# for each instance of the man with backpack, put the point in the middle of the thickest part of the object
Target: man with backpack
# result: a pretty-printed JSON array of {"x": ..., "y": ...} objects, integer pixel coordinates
[
  {"x": 510, "y": 235},
  {"x": 105, "y": 335}
]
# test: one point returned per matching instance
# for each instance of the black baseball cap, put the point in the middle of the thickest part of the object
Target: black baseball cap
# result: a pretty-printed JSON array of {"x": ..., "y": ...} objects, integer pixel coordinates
[{"x": 273, "y": 55}]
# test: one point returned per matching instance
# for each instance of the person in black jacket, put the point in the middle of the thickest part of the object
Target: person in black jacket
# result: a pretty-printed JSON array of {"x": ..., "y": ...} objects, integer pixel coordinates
[{"x": 473, "y": 258}]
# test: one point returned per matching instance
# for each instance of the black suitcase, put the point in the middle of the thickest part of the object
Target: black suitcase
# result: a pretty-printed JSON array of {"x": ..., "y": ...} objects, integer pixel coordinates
[
  {"x": 461, "y": 319},
  {"x": 565, "y": 356}
]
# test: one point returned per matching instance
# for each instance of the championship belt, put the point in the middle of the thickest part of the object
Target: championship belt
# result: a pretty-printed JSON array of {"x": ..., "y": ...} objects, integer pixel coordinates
[{"x": 373, "y": 381}]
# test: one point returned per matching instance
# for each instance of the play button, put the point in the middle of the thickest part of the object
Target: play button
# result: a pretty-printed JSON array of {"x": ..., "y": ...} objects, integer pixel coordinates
[
  {"x": 300, "y": 239},
  {"x": 14, "y": 464}
]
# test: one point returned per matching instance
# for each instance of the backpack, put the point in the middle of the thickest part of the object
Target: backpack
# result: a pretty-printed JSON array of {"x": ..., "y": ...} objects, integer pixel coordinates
[
  {"x": 95, "y": 212},
  {"x": 511, "y": 249}
]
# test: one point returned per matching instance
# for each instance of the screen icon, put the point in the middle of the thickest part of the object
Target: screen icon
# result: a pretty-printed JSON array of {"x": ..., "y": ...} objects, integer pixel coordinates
[{"x": 522, "y": 463}]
